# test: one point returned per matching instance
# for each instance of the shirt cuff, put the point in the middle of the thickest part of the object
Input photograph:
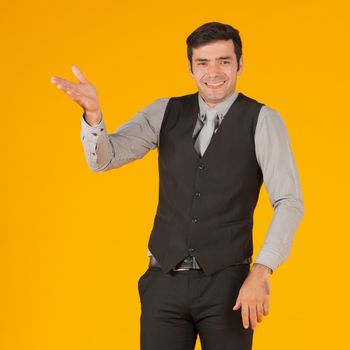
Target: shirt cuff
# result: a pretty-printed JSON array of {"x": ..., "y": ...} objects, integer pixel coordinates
[
  {"x": 95, "y": 130},
  {"x": 268, "y": 259}
]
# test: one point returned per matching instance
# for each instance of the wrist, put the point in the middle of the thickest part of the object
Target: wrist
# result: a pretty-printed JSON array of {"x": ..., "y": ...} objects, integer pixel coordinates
[
  {"x": 261, "y": 269},
  {"x": 93, "y": 118}
]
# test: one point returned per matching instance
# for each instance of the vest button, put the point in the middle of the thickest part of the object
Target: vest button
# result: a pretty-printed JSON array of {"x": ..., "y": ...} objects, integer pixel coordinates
[
  {"x": 194, "y": 220},
  {"x": 198, "y": 194},
  {"x": 201, "y": 166}
]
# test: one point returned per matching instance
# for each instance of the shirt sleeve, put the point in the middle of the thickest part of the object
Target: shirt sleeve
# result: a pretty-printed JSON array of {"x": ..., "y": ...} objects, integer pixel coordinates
[
  {"x": 281, "y": 179},
  {"x": 129, "y": 142}
]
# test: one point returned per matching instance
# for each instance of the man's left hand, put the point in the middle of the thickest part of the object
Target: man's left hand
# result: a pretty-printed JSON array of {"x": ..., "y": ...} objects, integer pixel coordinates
[{"x": 254, "y": 295}]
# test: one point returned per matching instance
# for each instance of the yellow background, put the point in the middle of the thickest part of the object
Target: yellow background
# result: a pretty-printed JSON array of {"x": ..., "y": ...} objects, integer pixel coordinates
[{"x": 74, "y": 242}]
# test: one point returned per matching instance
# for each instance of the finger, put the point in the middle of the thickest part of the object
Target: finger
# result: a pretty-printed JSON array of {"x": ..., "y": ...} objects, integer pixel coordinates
[
  {"x": 75, "y": 97},
  {"x": 252, "y": 315},
  {"x": 79, "y": 75},
  {"x": 259, "y": 309},
  {"x": 68, "y": 87},
  {"x": 245, "y": 315},
  {"x": 57, "y": 80},
  {"x": 266, "y": 307},
  {"x": 65, "y": 84},
  {"x": 72, "y": 95}
]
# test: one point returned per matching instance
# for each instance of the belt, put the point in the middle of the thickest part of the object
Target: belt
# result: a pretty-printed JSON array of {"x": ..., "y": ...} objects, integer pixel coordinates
[{"x": 190, "y": 263}]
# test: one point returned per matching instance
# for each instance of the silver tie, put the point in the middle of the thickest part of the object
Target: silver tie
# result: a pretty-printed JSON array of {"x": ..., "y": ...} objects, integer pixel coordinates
[{"x": 206, "y": 132}]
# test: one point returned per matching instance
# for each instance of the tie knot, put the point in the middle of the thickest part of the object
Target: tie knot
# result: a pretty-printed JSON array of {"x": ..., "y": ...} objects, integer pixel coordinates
[{"x": 211, "y": 114}]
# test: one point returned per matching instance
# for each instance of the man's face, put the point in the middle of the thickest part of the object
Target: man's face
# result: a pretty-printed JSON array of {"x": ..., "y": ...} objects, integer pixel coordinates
[{"x": 214, "y": 68}]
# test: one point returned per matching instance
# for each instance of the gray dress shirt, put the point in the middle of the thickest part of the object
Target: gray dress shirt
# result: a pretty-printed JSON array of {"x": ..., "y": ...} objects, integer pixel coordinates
[{"x": 139, "y": 135}]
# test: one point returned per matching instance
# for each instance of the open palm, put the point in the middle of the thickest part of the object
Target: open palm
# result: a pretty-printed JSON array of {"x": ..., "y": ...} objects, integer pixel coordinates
[{"x": 83, "y": 92}]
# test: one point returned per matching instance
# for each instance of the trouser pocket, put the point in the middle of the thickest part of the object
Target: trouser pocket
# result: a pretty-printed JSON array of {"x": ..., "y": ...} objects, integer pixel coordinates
[{"x": 146, "y": 278}]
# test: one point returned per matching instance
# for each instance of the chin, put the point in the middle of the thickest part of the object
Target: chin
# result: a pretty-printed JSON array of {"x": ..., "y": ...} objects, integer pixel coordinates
[{"x": 215, "y": 96}]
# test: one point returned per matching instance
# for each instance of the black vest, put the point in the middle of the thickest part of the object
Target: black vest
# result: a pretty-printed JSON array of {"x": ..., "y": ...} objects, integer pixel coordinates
[{"x": 206, "y": 204}]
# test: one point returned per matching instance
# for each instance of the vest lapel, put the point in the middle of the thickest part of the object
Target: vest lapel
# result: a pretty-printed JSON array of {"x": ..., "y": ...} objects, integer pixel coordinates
[{"x": 193, "y": 111}]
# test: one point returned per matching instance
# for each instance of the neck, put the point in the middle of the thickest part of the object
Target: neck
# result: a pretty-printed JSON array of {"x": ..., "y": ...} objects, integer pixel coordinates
[{"x": 213, "y": 104}]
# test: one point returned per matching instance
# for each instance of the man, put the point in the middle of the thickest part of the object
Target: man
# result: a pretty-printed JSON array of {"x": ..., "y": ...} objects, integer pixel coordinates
[{"x": 216, "y": 147}]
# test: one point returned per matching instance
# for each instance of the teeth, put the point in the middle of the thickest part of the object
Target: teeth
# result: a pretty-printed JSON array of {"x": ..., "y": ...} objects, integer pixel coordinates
[{"x": 215, "y": 84}]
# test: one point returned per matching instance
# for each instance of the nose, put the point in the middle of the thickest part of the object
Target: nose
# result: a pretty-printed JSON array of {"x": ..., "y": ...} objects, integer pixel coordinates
[{"x": 213, "y": 69}]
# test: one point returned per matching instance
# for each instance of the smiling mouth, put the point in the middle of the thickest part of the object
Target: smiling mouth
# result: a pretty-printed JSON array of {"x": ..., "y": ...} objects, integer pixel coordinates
[{"x": 215, "y": 85}]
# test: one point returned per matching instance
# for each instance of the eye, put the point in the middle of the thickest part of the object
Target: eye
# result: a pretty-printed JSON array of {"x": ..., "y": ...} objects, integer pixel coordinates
[{"x": 226, "y": 62}]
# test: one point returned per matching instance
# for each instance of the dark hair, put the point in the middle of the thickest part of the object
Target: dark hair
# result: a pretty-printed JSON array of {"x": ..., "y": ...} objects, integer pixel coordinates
[{"x": 210, "y": 32}]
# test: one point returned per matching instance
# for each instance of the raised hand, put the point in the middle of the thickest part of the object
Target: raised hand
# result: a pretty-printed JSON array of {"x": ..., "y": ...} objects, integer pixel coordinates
[{"x": 83, "y": 93}]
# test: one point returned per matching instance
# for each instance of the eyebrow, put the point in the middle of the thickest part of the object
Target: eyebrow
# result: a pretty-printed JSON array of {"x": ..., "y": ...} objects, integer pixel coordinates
[{"x": 219, "y": 58}]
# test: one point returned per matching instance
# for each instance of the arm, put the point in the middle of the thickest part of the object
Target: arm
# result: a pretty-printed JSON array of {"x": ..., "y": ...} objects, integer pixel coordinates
[
  {"x": 274, "y": 155},
  {"x": 129, "y": 142},
  {"x": 281, "y": 179}
]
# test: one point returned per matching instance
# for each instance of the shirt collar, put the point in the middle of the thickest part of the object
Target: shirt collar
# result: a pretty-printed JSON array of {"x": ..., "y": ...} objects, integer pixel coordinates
[{"x": 221, "y": 107}]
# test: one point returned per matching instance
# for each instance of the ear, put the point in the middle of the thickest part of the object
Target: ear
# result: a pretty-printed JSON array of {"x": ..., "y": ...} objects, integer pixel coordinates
[
  {"x": 189, "y": 68},
  {"x": 239, "y": 72}
]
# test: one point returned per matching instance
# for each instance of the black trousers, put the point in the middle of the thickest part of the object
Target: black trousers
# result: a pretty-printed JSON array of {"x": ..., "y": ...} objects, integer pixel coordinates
[{"x": 178, "y": 306}]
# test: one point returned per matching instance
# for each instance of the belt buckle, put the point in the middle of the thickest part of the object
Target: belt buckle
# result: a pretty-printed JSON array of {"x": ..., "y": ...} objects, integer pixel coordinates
[{"x": 184, "y": 269}]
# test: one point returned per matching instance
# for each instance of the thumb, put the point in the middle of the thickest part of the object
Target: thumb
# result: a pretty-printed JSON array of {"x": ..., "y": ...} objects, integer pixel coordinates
[
  {"x": 79, "y": 75},
  {"x": 238, "y": 304}
]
